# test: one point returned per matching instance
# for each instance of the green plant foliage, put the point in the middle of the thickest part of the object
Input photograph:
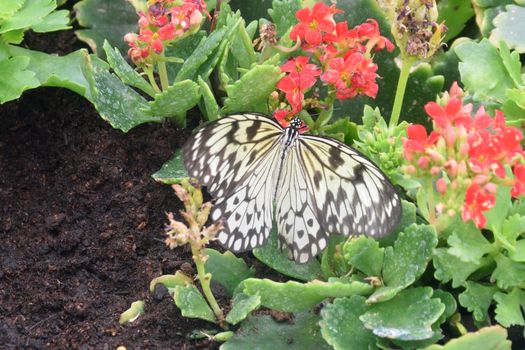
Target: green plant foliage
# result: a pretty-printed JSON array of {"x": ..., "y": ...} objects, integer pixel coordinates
[
  {"x": 510, "y": 307},
  {"x": 477, "y": 299},
  {"x": 264, "y": 333},
  {"x": 209, "y": 106},
  {"x": 105, "y": 20},
  {"x": 509, "y": 26},
  {"x": 175, "y": 101},
  {"x": 281, "y": 14},
  {"x": 406, "y": 261},
  {"x": 486, "y": 11},
  {"x": 136, "y": 309},
  {"x": 365, "y": 255},
  {"x": 455, "y": 14},
  {"x": 294, "y": 296},
  {"x": 341, "y": 326},
  {"x": 449, "y": 267},
  {"x": 468, "y": 244},
  {"x": 227, "y": 269},
  {"x": 251, "y": 91},
  {"x": 408, "y": 316},
  {"x": 242, "y": 306},
  {"x": 508, "y": 273},
  {"x": 171, "y": 281},
  {"x": 192, "y": 304},
  {"x": 124, "y": 71},
  {"x": 489, "y": 338},
  {"x": 173, "y": 171},
  {"x": 15, "y": 78},
  {"x": 278, "y": 260}
]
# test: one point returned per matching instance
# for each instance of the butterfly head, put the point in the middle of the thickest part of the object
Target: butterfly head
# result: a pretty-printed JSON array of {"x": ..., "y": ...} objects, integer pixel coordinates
[{"x": 299, "y": 125}]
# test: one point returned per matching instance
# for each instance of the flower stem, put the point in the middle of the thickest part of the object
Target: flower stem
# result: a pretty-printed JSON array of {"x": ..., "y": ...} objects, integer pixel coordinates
[
  {"x": 151, "y": 78},
  {"x": 406, "y": 64},
  {"x": 163, "y": 74},
  {"x": 431, "y": 204},
  {"x": 205, "y": 279}
]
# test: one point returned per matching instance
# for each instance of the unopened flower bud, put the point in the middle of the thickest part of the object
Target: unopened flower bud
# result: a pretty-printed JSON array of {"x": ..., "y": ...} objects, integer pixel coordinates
[
  {"x": 204, "y": 213},
  {"x": 423, "y": 162},
  {"x": 181, "y": 193},
  {"x": 441, "y": 185}
]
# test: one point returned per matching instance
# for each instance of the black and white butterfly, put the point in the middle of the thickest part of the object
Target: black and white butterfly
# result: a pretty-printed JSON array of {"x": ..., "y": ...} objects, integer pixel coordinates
[{"x": 314, "y": 186}]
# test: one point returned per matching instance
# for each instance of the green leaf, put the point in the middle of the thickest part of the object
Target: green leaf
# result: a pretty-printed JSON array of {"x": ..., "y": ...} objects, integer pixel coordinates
[
  {"x": 226, "y": 269},
  {"x": 489, "y": 338},
  {"x": 510, "y": 307},
  {"x": 175, "y": 102},
  {"x": 477, "y": 299},
  {"x": 171, "y": 281},
  {"x": 278, "y": 260},
  {"x": 210, "y": 107},
  {"x": 117, "y": 103},
  {"x": 106, "y": 20},
  {"x": 9, "y": 7},
  {"x": 408, "y": 217},
  {"x": 406, "y": 261},
  {"x": 57, "y": 20},
  {"x": 283, "y": 14},
  {"x": 341, "y": 326},
  {"x": 450, "y": 303},
  {"x": 408, "y": 316},
  {"x": 173, "y": 171},
  {"x": 31, "y": 13},
  {"x": 455, "y": 14},
  {"x": 468, "y": 244},
  {"x": 498, "y": 213},
  {"x": 136, "y": 309},
  {"x": 509, "y": 26},
  {"x": 486, "y": 11},
  {"x": 512, "y": 228},
  {"x": 15, "y": 79},
  {"x": 264, "y": 333},
  {"x": 508, "y": 273},
  {"x": 449, "y": 267},
  {"x": 242, "y": 306},
  {"x": 482, "y": 71},
  {"x": 124, "y": 71},
  {"x": 364, "y": 254},
  {"x": 192, "y": 304},
  {"x": 203, "y": 52},
  {"x": 182, "y": 49},
  {"x": 252, "y": 89},
  {"x": 241, "y": 47},
  {"x": 511, "y": 61},
  {"x": 294, "y": 296},
  {"x": 518, "y": 254},
  {"x": 59, "y": 71}
]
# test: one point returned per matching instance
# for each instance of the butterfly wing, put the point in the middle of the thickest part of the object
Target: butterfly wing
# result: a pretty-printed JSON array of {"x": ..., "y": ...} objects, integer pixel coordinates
[
  {"x": 236, "y": 158},
  {"x": 351, "y": 195}
]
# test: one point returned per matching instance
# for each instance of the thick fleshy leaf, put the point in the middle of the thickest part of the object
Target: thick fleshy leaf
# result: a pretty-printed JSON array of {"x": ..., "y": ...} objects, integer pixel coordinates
[
  {"x": 408, "y": 316},
  {"x": 486, "y": 11},
  {"x": 449, "y": 267},
  {"x": 509, "y": 307},
  {"x": 455, "y": 14},
  {"x": 242, "y": 306},
  {"x": 406, "y": 261},
  {"x": 241, "y": 47},
  {"x": 264, "y": 333},
  {"x": 489, "y": 338},
  {"x": 105, "y": 20},
  {"x": 508, "y": 273},
  {"x": 341, "y": 326},
  {"x": 175, "y": 101},
  {"x": 518, "y": 254},
  {"x": 15, "y": 78},
  {"x": 477, "y": 299},
  {"x": 408, "y": 217},
  {"x": 251, "y": 10},
  {"x": 208, "y": 106},
  {"x": 56, "y": 20},
  {"x": 283, "y": 14},
  {"x": 192, "y": 304},
  {"x": 182, "y": 49},
  {"x": 171, "y": 281},
  {"x": 294, "y": 296},
  {"x": 498, "y": 213},
  {"x": 59, "y": 71},
  {"x": 278, "y": 260},
  {"x": 31, "y": 13},
  {"x": 468, "y": 244},
  {"x": 482, "y": 71},
  {"x": 364, "y": 254},
  {"x": 125, "y": 72},
  {"x": 116, "y": 102},
  {"x": 173, "y": 171},
  {"x": 226, "y": 269},
  {"x": 449, "y": 301},
  {"x": 252, "y": 90},
  {"x": 509, "y": 26},
  {"x": 9, "y": 7}
]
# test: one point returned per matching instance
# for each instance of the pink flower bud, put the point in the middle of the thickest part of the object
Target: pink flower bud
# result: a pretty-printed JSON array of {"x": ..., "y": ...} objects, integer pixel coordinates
[
  {"x": 157, "y": 46},
  {"x": 422, "y": 162},
  {"x": 441, "y": 185},
  {"x": 130, "y": 37},
  {"x": 195, "y": 19},
  {"x": 452, "y": 167},
  {"x": 491, "y": 187},
  {"x": 440, "y": 207},
  {"x": 451, "y": 212},
  {"x": 435, "y": 170}
]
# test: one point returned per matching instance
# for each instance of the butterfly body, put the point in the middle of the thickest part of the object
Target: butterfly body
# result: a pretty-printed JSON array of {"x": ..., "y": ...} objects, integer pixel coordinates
[{"x": 312, "y": 186}]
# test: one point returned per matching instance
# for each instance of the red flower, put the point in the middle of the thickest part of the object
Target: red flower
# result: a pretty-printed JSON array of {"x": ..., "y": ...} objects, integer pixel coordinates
[
  {"x": 477, "y": 201},
  {"x": 417, "y": 140},
  {"x": 294, "y": 86},
  {"x": 453, "y": 114},
  {"x": 370, "y": 31},
  {"x": 352, "y": 76},
  {"x": 314, "y": 23},
  {"x": 519, "y": 181},
  {"x": 300, "y": 65}
]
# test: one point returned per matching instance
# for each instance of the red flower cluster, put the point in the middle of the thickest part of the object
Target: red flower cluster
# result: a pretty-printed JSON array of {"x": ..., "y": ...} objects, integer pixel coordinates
[
  {"x": 468, "y": 154},
  {"x": 164, "y": 21},
  {"x": 343, "y": 56}
]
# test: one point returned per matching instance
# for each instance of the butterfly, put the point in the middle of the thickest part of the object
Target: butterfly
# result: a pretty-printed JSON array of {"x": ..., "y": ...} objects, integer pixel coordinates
[{"x": 312, "y": 186}]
